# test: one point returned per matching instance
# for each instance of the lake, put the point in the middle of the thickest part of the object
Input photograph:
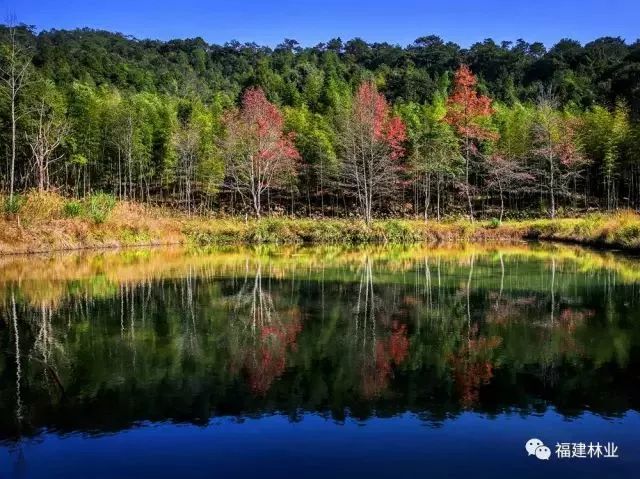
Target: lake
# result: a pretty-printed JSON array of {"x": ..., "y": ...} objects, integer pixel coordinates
[{"x": 369, "y": 362}]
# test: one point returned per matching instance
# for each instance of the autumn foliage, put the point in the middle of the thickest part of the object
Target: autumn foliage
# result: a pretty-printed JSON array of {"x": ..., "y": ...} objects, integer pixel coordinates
[
  {"x": 372, "y": 143},
  {"x": 472, "y": 366},
  {"x": 465, "y": 107},
  {"x": 268, "y": 362},
  {"x": 265, "y": 124},
  {"x": 372, "y": 111},
  {"x": 465, "y": 110},
  {"x": 260, "y": 154},
  {"x": 389, "y": 352}
]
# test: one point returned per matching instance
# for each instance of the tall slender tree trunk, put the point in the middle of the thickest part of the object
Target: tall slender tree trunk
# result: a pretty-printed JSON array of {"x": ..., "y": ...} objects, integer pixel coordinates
[
  {"x": 14, "y": 76},
  {"x": 13, "y": 139},
  {"x": 501, "y": 202},
  {"x": 552, "y": 185},
  {"x": 427, "y": 195},
  {"x": 466, "y": 183},
  {"x": 438, "y": 197},
  {"x": 256, "y": 203},
  {"x": 322, "y": 188}
]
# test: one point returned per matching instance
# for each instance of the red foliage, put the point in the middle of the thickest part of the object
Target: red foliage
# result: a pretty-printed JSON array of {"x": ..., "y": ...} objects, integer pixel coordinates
[
  {"x": 465, "y": 107},
  {"x": 372, "y": 110},
  {"x": 270, "y": 361},
  {"x": 376, "y": 376},
  {"x": 266, "y": 122},
  {"x": 398, "y": 343},
  {"x": 472, "y": 368},
  {"x": 262, "y": 155},
  {"x": 567, "y": 150},
  {"x": 388, "y": 352},
  {"x": 395, "y": 135}
]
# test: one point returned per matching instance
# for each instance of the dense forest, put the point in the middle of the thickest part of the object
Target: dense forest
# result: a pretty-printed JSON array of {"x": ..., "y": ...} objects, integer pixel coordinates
[{"x": 338, "y": 129}]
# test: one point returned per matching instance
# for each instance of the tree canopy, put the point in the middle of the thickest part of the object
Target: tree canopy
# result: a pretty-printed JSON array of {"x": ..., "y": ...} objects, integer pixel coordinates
[{"x": 494, "y": 124}]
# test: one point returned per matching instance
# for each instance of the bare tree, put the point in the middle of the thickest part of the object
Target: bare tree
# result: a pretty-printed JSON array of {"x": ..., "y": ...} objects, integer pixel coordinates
[
  {"x": 259, "y": 154},
  {"x": 14, "y": 72},
  {"x": 506, "y": 175},
  {"x": 556, "y": 146},
  {"x": 371, "y": 141},
  {"x": 50, "y": 132},
  {"x": 186, "y": 141}
]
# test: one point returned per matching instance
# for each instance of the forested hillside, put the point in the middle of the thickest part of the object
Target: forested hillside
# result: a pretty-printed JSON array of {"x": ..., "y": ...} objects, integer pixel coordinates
[{"x": 428, "y": 129}]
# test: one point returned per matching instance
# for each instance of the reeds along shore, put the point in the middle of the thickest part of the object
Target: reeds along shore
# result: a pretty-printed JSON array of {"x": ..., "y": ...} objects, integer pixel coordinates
[{"x": 47, "y": 222}]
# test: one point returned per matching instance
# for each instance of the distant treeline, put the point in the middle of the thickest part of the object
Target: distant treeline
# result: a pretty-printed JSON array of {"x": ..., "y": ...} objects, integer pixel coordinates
[{"x": 428, "y": 129}]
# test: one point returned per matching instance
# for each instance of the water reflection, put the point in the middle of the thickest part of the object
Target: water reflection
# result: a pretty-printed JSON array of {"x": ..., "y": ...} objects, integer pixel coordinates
[
  {"x": 262, "y": 334},
  {"x": 99, "y": 342}
]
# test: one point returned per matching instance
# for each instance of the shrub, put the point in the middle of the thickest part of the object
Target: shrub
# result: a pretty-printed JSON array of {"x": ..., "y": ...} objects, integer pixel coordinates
[
  {"x": 99, "y": 206},
  {"x": 12, "y": 205},
  {"x": 395, "y": 231},
  {"x": 629, "y": 235},
  {"x": 274, "y": 230},
  {"x": 41, "y": 205},
  {"x": 494, "y": 223},
  {"x": 72, "y": 209}
]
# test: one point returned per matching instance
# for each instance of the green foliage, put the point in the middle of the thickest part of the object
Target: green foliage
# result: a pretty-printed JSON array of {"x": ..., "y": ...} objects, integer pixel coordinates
[
  {"x": 589, "y": 345},
  {"x": 395, "y": 231},
  {"x": 515, "y": 124},
  {"x": 72, "y": 209},
  {"x": 435, "y": 147},
  {"x": 13, "y": 205},
  {"x": 603, "y": 137},
  {"x": 315, "y": 140},
  {"x": 98, "y": 207},
  {"x": 144, "y": 119}
]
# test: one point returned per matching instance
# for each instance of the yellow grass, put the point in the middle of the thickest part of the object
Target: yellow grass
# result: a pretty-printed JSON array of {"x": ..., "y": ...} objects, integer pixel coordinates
[{"x": 43, "y": 224}]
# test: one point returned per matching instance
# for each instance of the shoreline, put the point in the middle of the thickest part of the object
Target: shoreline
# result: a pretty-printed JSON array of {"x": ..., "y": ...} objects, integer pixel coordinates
[
  {"x": 43, "y": 225},
  {"x": 47, "y": 235}
]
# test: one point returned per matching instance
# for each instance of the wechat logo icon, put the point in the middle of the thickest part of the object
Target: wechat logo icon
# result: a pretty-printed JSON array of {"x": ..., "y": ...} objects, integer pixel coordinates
[{"x": 535, "y": 447}]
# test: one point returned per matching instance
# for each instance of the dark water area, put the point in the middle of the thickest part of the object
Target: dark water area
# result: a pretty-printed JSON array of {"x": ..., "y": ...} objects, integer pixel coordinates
[{"x": 366, "y": 362}]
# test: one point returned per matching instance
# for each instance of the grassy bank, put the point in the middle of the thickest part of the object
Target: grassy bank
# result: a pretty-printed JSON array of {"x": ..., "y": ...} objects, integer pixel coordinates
[
  {"x": 45, "y": 222},
  {"x": 613, "y": 230}
]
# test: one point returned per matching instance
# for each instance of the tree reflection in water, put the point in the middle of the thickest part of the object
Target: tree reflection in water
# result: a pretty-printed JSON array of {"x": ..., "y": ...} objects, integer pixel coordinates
[
  {"x": 380, "y": 342},
  {"x": 364, "y": 332},
  {"x": 265, "y": 334}
]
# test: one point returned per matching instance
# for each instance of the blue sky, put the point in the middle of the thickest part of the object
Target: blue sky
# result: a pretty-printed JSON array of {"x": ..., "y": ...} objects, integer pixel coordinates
[{"x": 396, "y": 21}]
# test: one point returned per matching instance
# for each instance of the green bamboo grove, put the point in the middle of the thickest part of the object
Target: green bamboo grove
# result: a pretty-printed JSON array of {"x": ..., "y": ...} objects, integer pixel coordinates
[{"x": 88, "y": 111}]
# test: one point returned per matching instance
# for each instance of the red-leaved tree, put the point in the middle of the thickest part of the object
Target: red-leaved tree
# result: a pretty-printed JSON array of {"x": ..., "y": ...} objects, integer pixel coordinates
[
  {"x": 260, "y": 155},
  {"x": 372, "y": 145},
  {"x": 465, "y": 111}
]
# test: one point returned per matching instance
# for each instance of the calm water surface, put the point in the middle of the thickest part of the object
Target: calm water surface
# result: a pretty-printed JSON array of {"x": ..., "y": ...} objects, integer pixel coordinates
[{"x": 315, "y": 362}]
